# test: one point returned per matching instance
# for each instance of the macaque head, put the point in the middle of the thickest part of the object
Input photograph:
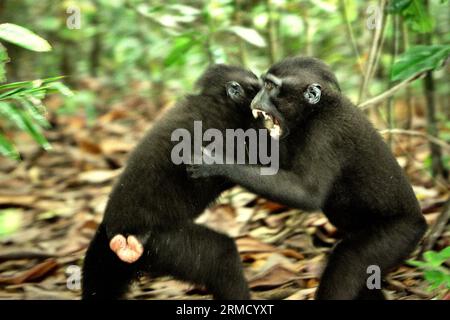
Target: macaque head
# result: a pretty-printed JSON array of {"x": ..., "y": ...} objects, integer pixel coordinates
[{"x": 292, "y": 89}]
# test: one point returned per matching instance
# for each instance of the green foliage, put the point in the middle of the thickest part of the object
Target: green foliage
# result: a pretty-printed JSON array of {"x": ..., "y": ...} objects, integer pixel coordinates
[
  {"x": 159, "y": 48},
  {"x": 84, "y": 100},
  {"x": 434, "y": 270},
  {"x": 249, "y": 35},
  {"x": 23, "y": 38},
  {"x": 414, "y": 13},
  {"x": 21, "y": 105},
  {"x": 180, "y": 50},
  {"x": 3, "y": 60},
  {"x": 21, "y": 102},
  {"x": 398, "y": 6},
  {"x": 418, "y": 59}
]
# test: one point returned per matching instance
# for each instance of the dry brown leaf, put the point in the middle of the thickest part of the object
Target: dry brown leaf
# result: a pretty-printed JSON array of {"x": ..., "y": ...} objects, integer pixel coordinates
[
  {"x": 275, "y": 276},
  {"x": 265, "y": 232},
  {"x": 275, "y": 220},
  {"x": 17, "y": 200},
  {"x": 312, "y": 283},
  {"x": 88, "y": 145},
  {"x": 36, "y": 272},
  {"x": 111, "y": 146},
  {"x": 302, "y": 242},
  {"x": 303, "y": 294},
  {"x": 273, "y": 206},
  {"x": 114, "y": 114},
  {"x": 292, "y": 254},
  {"x": 98, "y": 176},
  {"x": 249, "y": 244}
]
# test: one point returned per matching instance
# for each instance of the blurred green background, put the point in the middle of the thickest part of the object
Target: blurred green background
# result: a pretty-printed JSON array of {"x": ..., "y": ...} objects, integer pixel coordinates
[
  {"x": 156, "y": 49},
  {"x": 81, "y": 59}
]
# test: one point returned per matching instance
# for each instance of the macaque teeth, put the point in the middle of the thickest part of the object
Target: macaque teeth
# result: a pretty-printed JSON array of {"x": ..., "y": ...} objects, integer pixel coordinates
[
  {"x": 275, "y": 132},
  {"x": 268, "y": 123}
]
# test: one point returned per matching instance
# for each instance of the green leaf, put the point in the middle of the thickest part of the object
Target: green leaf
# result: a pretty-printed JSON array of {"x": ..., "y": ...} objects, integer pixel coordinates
[
  {"x": 416, "y": 263},
  {"x": 23, "y": 37},
  {"x": 10, "y": 93},
  {"x": 433, "y": 258},
  {"x": 185, "y": 10},
  {"x": 35, "y": 87},
  {"x": 7, "y": 148},
  {"x": 418, "y": 59},
  {"x": 14, "y": 85},
  {"x": 62, "y": 88},
  {"x": 444, "y": 254},
  {"x": 24, "y": 122},
  {"x": 435, "y": 278},
  {"x": 178, "y": 53},
  {"x": 4, "y": 59},
  {"x": 36, "y": 110},
  {"x": 397, "y": 6},
  {"x": 250, "y": 35},
  {"x": 417, "y": 16}
]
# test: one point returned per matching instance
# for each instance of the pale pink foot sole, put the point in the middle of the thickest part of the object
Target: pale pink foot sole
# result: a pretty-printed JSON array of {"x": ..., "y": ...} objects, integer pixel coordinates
[{"x": 128, "y": 250}]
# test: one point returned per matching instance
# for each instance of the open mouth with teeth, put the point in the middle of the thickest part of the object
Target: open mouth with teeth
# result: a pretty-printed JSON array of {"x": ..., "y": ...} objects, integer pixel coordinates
[{"x": 271, "y": 123}]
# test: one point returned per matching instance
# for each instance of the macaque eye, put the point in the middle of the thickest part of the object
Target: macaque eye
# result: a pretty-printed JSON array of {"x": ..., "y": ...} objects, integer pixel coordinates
[
  {"x": 235, "y": 85},
  {"x": 269, "y": 85},
  {"x": 234, "y": 89},
  {"x": 313, "y": 93}
]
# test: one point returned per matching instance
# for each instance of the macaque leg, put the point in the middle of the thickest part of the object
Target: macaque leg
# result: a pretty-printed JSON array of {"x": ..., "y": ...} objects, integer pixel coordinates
[
  {"x": 105, "y": 276},
  {"x": 199, "y": 255}
]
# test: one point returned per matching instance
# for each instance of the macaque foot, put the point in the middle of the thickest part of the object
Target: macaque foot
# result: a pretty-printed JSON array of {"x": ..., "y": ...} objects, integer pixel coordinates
[{"x": 128, "y": 250}]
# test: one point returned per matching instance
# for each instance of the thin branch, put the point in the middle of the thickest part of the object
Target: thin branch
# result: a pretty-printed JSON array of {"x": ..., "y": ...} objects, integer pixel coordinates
[
  {"x": 390, "y": 114},
  {"x": 272, "y": 33},
  {"x": 437, "y": 229},
  {"x": 349, "y": 30},
  {"x": 374, "y": 52},
  {"x": 383, "y": 96},
  {"x": 430, "y": 138},
  {"x": 429, "y": 88},
  {"x": 400, "y": 286}
]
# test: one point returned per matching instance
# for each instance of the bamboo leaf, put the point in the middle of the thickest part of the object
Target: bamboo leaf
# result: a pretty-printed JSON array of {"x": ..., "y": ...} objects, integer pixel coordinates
[
  {"x": 36, "y": 111},
  {"x": 418, "y": 59},
  {"x": 3, "y": 60},
  {"x": 250, "y": 35},
  {"x": 24, "y": 122},
  {"x": 178, "y": 53},
  {"x": 7, "y": 148},
  {"x": 23, "y": 37}
]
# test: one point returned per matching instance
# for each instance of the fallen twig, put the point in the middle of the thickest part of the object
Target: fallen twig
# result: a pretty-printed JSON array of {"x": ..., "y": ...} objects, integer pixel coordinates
[
  {"x": 400, "y": 286},
  {"x": 436, "y": 229},
  {"x": 432, "y": 139},
  {"x": 25, "y": 254}
]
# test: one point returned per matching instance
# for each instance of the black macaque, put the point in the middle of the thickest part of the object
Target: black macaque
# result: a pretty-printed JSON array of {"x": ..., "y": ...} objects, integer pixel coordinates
[
  {"x": 332, "y": 158},
  {"x": 155, "y": 201}
]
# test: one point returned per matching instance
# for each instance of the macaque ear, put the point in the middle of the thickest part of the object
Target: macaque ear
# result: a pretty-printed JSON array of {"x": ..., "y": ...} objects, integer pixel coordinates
[
  {"x": 235, "y": 91},
  {"x": 313, "y": 93}
]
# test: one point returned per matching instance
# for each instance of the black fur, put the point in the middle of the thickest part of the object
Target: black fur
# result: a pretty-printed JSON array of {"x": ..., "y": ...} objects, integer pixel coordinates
[
  {"x": 333, "y": 159},
  {"x": 157, "y": 201}
]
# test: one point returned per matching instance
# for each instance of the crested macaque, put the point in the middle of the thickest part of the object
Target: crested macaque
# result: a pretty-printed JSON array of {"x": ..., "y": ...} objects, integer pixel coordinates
[
  {"x": 331, "y": 159},
  {"x": 148, "y": 223}
]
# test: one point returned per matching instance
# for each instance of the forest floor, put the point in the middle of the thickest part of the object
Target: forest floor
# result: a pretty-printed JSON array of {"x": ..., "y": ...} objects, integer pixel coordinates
[{"x": 53, "y": 202}]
